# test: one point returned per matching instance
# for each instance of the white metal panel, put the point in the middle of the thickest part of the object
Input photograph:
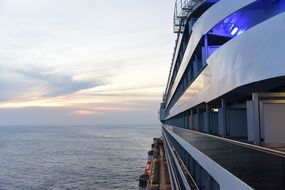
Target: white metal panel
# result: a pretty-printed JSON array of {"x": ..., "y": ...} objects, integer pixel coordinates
[
  {"x": 178, "y": 43},
  {"x": 225, "y": 179},
  {"x": 272, "y": 122},
  {"x": 255, "y": 55},
  {"x": 251, "y": 136},
  {"x": 203, "y": 25}
]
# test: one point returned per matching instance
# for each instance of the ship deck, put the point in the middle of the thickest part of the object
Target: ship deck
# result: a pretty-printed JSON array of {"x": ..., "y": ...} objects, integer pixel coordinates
[{"x": 259, "y": 167}]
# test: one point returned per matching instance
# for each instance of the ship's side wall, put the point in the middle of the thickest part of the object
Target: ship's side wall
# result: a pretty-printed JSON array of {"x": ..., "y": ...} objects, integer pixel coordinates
[
  {"x": 217, "y": 108},
  {"x": 204, "y": 24},
  {"x": 256, "y": 55}
]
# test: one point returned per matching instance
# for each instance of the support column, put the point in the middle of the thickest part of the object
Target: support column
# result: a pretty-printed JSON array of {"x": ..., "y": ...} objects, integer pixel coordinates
[
  {"x": 198, "y": 127},
  {"x": 222, "y": 119},
  {"x": 191, "y": 119},
  {"x": 187, "y": 119},
  {"x": 207, "y": 119},
  {"x": 258, "y": 139}
]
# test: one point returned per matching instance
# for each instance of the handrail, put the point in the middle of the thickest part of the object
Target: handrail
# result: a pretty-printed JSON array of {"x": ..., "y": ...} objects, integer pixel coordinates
[
  {"x": 224, "y": 178},
  {"x": 242, "y": 144},
  {"x": 174, "y": 184},
  {"x": 182, "y": 9},
  {"x": 181, "y": 174},
  {"x": 258, "y": 167}
]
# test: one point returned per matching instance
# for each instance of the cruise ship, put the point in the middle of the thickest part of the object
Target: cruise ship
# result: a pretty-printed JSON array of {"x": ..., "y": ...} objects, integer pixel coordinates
[{"x": 223, "y": 109}]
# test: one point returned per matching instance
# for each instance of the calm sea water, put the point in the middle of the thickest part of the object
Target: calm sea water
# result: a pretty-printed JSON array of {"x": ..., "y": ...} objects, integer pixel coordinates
[{"x": 74, "y": 157}]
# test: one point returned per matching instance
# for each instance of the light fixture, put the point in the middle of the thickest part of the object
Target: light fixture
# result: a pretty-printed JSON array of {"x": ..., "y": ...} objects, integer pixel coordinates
[{"x": 234, "y": 31}]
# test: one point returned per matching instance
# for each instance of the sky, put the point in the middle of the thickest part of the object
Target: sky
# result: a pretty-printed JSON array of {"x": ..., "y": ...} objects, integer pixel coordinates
[{"x": 92, "y": 62}]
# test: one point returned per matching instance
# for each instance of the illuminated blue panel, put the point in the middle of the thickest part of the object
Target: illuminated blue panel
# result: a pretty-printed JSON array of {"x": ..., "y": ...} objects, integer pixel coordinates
[{"x": 248, "y": 17}]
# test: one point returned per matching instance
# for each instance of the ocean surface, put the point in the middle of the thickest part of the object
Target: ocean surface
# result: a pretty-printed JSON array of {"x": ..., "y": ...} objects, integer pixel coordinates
[{"x": 74, "y": 157}]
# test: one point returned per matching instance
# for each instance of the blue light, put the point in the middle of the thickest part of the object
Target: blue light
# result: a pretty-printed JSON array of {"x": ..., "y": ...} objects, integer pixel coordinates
[
  {"x": 234, "y": 31},
  {"x": 232, "y": 25},
  {"x": 240, "y": 32}
]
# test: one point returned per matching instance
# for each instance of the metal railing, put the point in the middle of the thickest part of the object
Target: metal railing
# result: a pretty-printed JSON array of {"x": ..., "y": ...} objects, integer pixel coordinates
[
  {"x": 179, "y": 179},
  {"x": 259, "y": 167},
  {"x": 182, "y": 9}
]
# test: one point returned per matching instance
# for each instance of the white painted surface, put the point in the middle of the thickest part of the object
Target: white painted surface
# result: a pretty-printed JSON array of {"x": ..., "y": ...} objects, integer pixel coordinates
[
  {"x": 250, "y": 121},
  {"x": 203, "y": 25},
  {"x": 255, "y": 55},
  {"x": 274, "y": 124}
]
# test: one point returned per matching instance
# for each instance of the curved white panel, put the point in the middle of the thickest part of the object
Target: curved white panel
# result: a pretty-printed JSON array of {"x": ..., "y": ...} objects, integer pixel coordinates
[
  {"x": 178, "y": 43},
  {"x": 255, "y": 55},
  {"x": 203, "y": 25}
]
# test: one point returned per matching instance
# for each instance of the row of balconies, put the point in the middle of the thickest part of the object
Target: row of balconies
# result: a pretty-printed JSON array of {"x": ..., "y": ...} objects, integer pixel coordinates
[{"x": 229, "y": 28}]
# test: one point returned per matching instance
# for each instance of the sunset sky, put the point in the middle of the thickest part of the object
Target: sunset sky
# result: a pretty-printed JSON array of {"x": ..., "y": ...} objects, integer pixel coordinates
[{"x": 83, "y": 61}]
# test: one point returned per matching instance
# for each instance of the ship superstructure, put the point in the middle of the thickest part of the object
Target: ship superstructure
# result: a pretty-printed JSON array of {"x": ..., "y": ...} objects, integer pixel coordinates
[{"x": 223, "y": 110}]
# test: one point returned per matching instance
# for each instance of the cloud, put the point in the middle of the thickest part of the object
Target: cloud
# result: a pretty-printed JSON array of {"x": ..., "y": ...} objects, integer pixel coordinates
[
  {"x": 83, "y": 112},
  {"x": 57, "y": 84},
  {"x": 62, "y": 60},
  {"x": 35, "y": 82}
]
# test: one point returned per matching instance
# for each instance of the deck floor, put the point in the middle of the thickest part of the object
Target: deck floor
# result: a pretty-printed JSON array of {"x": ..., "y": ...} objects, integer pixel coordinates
[{"x": 164, "y": 177}]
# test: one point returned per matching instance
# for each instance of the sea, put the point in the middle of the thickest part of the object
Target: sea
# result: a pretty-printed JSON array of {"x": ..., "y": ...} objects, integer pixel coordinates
[{"x": 74, "y": 157}]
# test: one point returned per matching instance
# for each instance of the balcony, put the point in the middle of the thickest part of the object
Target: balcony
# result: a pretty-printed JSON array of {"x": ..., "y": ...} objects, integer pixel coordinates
[{"x": 258, "y": 167}]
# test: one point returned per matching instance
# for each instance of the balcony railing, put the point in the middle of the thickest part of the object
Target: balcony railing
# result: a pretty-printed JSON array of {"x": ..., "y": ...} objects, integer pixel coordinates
[
  {"x": 259, "y": 167},
  {"x": 182, "y": 9}
]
